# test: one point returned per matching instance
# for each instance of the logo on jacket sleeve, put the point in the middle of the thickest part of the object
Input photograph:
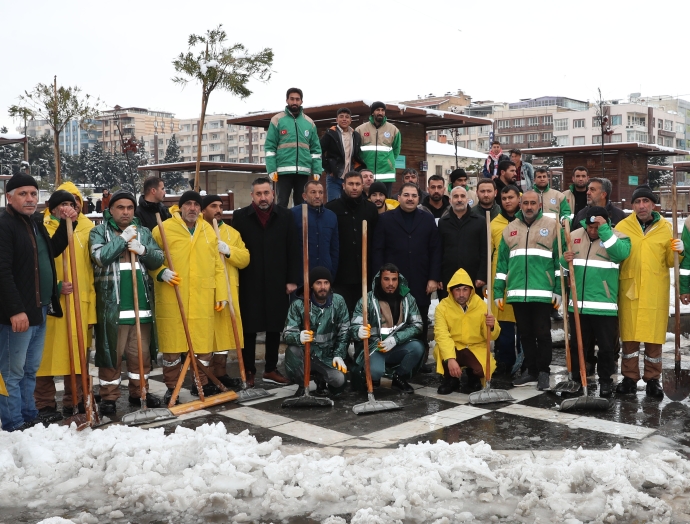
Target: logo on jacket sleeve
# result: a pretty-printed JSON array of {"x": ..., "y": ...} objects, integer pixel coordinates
[
  {"x": 306, "y": 132},
  {"x": 366, "y": 133},
  {"x": 553, "y": 200},
  {"x": 544, "y": 232},
  {"x": 577, "y": 241},
  {"x": 513, "y": 233},
  {"x": 283, "y": 132}
]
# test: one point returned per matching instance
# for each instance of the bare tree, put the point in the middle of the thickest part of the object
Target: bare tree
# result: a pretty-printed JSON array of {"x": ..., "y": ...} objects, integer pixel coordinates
[
  {"x": 57, "y": 106},
  {"x": 216, "y": 66}
]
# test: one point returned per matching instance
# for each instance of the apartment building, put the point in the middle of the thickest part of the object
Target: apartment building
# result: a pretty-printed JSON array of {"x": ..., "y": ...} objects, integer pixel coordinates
[
  {"x": 451, "y": 102},
  {"x": 133, "y": 122},
  {"x": 74, "y": 138}
]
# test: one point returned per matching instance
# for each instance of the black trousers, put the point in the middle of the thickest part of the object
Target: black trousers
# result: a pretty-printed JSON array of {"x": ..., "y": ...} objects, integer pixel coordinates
[
  {"x": 533, "y": 320},
  {"x": 290, "y": 184},
  {"x": 600, "y": 329},
  {"x": 249, "y": 351}
]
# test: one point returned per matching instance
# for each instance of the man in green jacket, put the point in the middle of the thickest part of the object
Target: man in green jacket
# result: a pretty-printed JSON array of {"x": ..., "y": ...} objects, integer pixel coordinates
[
  {"x": 293, "y": 150},
  {"x": 553, "y": 203},
  {"x": 110, "y": 244},
  {"x": 329, "y": 322},
  {"x": 526, "y": 269},
  {"x": 381, "y": 142}
]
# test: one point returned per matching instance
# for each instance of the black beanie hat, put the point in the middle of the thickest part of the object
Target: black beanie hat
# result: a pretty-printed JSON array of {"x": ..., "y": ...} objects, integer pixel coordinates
[
  {"x": 643, "y": 191},
  {"x": 596, "y": 211},
  {"x": 119, "y": 195},
  {"x": 20, "y": 180},
  {"x": 378, "y": 187},
  {"x": 377, "y": 105},
  {"x": 190, "y": 195},
  {"x": 319, "y": 273},
  {"x": 59, "y": 197},
  {"x": 208, "y": 199}
]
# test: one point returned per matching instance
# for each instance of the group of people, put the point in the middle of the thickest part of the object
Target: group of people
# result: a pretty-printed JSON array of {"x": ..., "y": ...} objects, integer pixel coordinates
[{"x": 419, "y": 244}]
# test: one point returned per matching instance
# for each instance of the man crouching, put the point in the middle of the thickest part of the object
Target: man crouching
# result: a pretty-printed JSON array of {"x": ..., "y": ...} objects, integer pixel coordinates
[
  {"x": 460, "y": 333},
  {"x": 328, "y": 335}
]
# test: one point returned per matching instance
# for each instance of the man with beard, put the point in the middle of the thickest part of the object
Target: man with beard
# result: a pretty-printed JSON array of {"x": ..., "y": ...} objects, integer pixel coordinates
[
  {"x": 340, "y": 152},
  {"x": 151, "y": 202},
  {"x": 236, "y": 257},
  {"x": 329, "y": 324},
  {"x": 293, "y": 150},
  {"x": 496, "y": 156},
  {"x": 436, "y": 201},
  {"x": 486, "y": 196},
  {"x": 377, "y": 195},
  {"x": 411, "y": 176},
  {"x": 576, "y": 194},
  {"x": 351, "y": 209},
  {"x": 553, "y": 203},
  {"x": 507, "y": 174},
  {"x": 458, "y": 178},
  {"x": 367, "y": 180},
  {"x": 598, "y": 194},
  {"x": 266, "y": 283},
  {"x": 381, "y": 142}
]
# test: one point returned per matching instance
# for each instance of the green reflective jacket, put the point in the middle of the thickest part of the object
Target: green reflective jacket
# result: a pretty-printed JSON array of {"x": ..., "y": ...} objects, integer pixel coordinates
[{"x": 292, "y": 145}]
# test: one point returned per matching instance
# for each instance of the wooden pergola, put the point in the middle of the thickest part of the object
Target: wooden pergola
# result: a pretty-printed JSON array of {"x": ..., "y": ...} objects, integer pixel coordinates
[
  {"x": 625, "y": 164},
  {"x": 413, "y": 123}
]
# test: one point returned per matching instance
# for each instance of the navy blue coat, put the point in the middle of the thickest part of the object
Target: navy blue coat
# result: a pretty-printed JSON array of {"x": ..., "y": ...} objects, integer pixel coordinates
[
  {"x": 324, "y": 246},
  {"x": 416, "y": 250}
]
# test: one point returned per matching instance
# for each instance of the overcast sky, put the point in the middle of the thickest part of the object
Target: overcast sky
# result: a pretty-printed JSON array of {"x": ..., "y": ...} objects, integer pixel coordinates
[{"x": 393, "y": 50}]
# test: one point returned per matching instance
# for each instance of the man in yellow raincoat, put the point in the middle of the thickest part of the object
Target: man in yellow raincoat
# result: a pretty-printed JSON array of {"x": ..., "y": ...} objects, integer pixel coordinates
[
  {"x": 201, "y": 280},
  {"x": 55, "y": 359},
  {"x": 643, "y": 295},
  {"x": 236, "y": 257},
  {"x": 460, "y": 331}
]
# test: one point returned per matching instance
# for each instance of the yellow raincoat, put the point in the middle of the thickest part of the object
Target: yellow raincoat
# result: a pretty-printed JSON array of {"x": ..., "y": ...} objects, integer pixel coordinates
[
  {"x": 55, "y": 360},
  {"x": 239, "y": 259},
  {"x": 498, "y": 224},
  {"x": 456, "y": 328},
  {"x": 196, "y": 261},
  {"x": 643, "y": 294}
]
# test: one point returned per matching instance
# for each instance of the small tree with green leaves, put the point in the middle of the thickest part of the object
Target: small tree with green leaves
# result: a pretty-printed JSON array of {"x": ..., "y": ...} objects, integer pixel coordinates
[
  {"x": 216, "y": 66},
  {"x": 173, "y": 179},
  {"x": 57, "y": 106}
]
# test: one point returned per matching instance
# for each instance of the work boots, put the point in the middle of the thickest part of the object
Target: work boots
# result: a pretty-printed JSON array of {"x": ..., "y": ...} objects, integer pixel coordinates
[
  {"x": 627, "y": 386},
  {"x": 449, "y": 384},
  {"x": 402, "y": 384},
  {"x": 654, "y": 389}
]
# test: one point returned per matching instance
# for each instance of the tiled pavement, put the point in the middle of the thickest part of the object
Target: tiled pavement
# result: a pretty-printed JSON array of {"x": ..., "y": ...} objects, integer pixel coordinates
[{"x": 532, "y": 422}]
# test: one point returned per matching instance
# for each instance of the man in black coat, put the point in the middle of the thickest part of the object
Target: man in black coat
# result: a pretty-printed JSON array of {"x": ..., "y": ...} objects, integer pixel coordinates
[
  {"x": 463, "y": 238},
  {"x": 351, "y": 209},
  {"x": 268, "y": 232},
  {"x": 29, "y": 291},
  {"x": 340, "y": 152},
  {"x": 408, "y": 237},
  {"x": 151, "y": 202},
  {"x": 598, "y": 194}
]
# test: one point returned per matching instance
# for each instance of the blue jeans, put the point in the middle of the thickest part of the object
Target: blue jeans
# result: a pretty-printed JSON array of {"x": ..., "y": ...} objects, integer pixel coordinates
[
  {"x": 20, "y": 357},
  {"x": 504, "y": 347},
  {"x": 406, "y": 356},
  {"x": 334, "y": 187}
]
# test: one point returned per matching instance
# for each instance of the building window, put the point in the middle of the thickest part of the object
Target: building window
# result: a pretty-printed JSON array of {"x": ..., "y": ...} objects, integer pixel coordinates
[
  {"x": 617, "y": 120},
  {"x": 561, "y": 124},
  {"x": 533, "y": 121},
  {"x": 680, "y": 144},
  {"x": 503, "y": 124},
  {"x": 262, "y": 135},
  {"x": 439, "y": 170},
  {"x": 680, "y": 128},
  {"x": 637, "y": 136},
  {"x": 504, "y": 139},
  {"x": 578, "y": 123},
  {"x": 214, "y": 136},
  {"x": 562, "y": 140},
  {"x": 241, "y": 150},
  {"x": 241, "y": 138},
  {"x": 668, "y": 141},
  {"x": 668, "y": 125},
  {"x": 578, "y": 141},
  {"x": 596, "y": 139},
  {"x": 519, "y": 122},
  {"x": 533, "y": 137},
  {"x": 204, "y": 148},
  {"x": 635, "y": 120},
  {"x": 231, "y": 138},
  {"x": 548, "y": 120},
  {"x": 518, "y": 139},
  {"x": 472, "y": 144},
  {"x": 462, "y": 143},
  {"x": 661, "y": 123},
  {"x": 547, "y": 137}
]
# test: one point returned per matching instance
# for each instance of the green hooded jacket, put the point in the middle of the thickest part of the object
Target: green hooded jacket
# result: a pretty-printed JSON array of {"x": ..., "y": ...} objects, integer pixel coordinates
[
  {"x": 292, "y": 145},
  {"x": 380, "y": 147}
]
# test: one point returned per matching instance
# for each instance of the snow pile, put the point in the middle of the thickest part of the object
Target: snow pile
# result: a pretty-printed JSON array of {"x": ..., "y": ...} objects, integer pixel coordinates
[{"x": 193, "y": 473}]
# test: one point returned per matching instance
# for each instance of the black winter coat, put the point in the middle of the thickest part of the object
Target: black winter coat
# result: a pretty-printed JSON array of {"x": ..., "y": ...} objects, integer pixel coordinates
[
  {"x": 416, "y": 250},
  {"x": 19, "y": 266},
  {"x": 333, "y": 152},
  {"x": 273, "y": 263},
  {"x": 146, "y": 213},
  {"x": 464, "y": 245},
  {"x": 351, "y": 212}
]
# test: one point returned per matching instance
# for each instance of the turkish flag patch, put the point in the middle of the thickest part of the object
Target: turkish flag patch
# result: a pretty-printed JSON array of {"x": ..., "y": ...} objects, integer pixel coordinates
[
  {"x": 513, "y": 233},
  {"x": 366, "y": 134},
  {"x": 283, "y": 132},
  {"x": 577, "y": 241}
]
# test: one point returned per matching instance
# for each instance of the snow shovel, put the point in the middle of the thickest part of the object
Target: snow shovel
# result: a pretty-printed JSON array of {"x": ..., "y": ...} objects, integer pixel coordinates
[
  {"x": 202, "y": 403},
  {"x": 145, "y": 414},
  {"x": 91, "y": 418},
  {"x": 676, "y": 381},
  {"x": 306, "y": 400},
  {"x": 372, "y": 405},
  {"x": 245, "y": 394},
  {"x": 585, "y": 402},
  {"x": 568, "y": 386},
  {"x": 488, "y": 395}
]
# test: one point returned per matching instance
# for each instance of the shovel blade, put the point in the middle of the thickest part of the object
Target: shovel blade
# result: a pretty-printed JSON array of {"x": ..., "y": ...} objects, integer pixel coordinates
[
  {"x": 585, "y": 403},
  {"x": 490, "y": 396},
  {"x": 374, "y": 406},
  {"x": 568, "y": 386},
  {"x": 246, "y": 395},
  {"x": 307, "y": 401},
  {"x": 676, "y": 384},
  {"x": 146, "y": 416}
]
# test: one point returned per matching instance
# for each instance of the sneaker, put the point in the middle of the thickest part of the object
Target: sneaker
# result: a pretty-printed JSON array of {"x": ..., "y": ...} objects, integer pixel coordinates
[
  {"x": 543, "y": 381},
  {"x": 627, "y": 386},
  {"x": 606, "y": 389},
  {"x": 230, "y": 383},
  {"x": 208, "y": 389},
  {"x": 275, "y": 377},
  {"x": 401, "y": 384},
  {"x": 525, "y": 380},
  {"x": 49, "y": 415},
  {"x": 168, "y": 395},
  {"x": 108, "y": 407},
  {"x": 654, "y": 389},
  {"x": 152, "y": 401},
  {"x": 448, "y": 385}
]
